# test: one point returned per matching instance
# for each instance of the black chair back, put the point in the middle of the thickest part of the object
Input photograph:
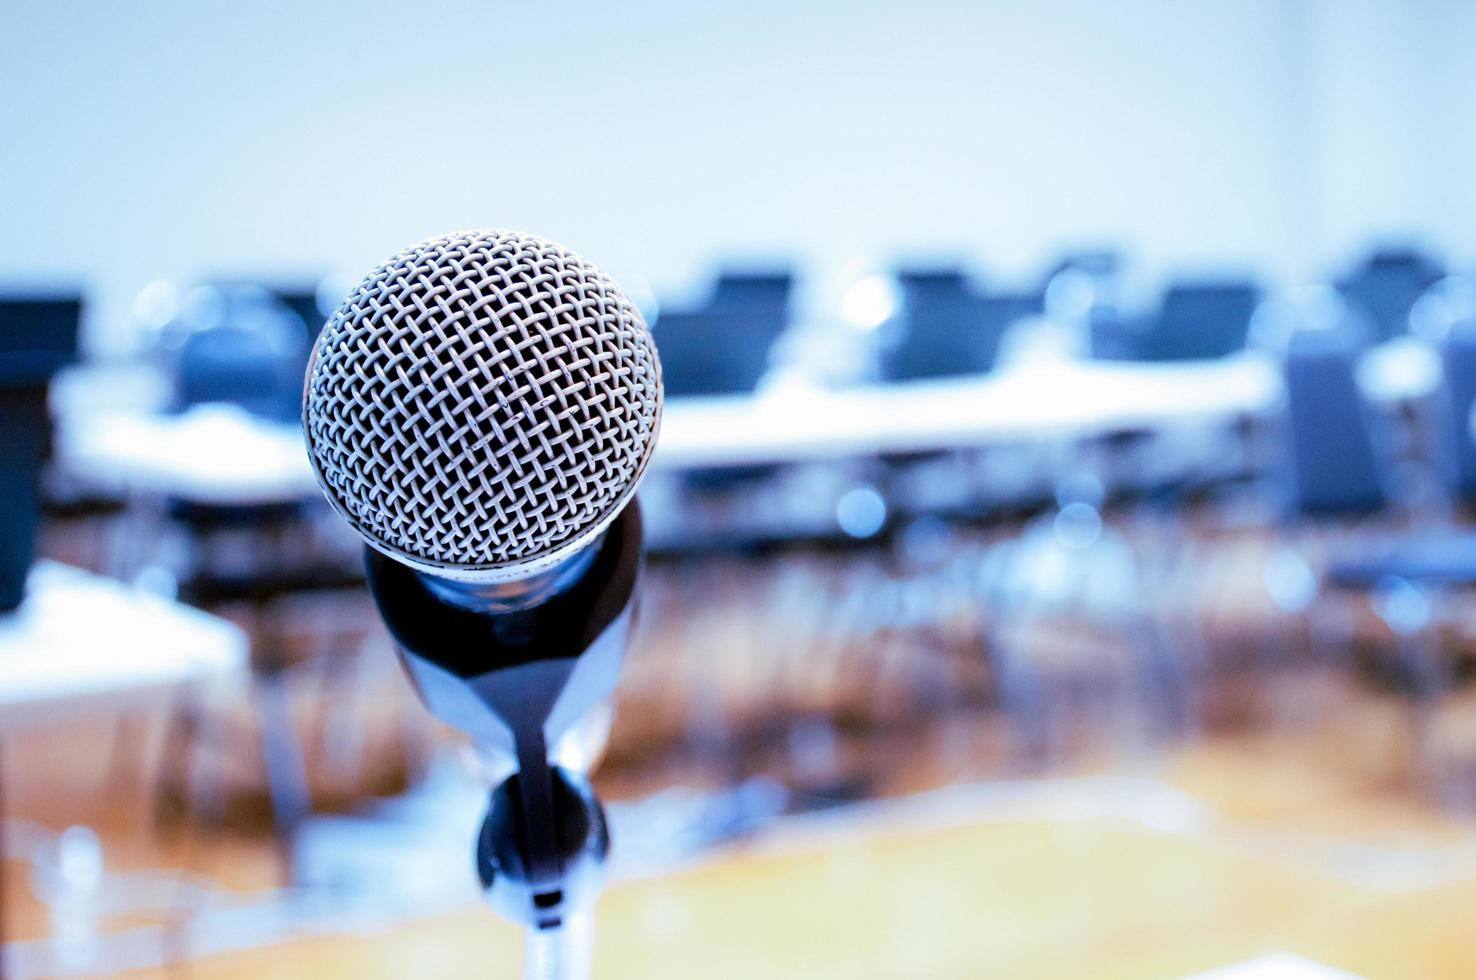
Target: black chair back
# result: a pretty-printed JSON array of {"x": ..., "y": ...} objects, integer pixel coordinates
[
  {"x": 252, "y": 354},
  {"x": 1202, "y": 320},
  {"x": 710, "y": 352},
  {"x": 949, "y": 335},
  {"x": 922, "y": 282},
  {"x": 1386, "y": 287},
  {"x": 1457, "y": 442},
  {"x": 769, "y": 290},
  {"x": 1338, "y": 464},
  {"x": 230, "y": 365}
]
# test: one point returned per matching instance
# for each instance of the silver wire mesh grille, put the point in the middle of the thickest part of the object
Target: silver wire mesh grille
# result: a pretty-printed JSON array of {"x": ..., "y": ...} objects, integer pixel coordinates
[{"x": 481, "y": 400}]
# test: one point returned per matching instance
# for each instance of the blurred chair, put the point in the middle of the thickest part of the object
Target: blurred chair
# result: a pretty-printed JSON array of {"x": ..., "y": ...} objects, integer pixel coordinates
[
  {"x": 949, "y": 334},
  {"x": 723, "y": 349},
  {"x": 1078, "y": 659},
  {"x": 1195, "y": 321},
  {"x": 1456, "y": 439},
  {"x": 712, "y": 352},
  {"x": 1202, "y": 320},
  {"x": 1386, "y": 286},
  {"x": 725, "y": 346},
  {"x": 1335, "y": 493},
  {"x": 230, "y": 365},
  {"x": 1338, "y": 466},
  {"x": 754, "y": 290},
  {"x": 248, "y": 351},
  {"x": 758, "y": 305},
  {"x": 38, "y": 338},
  {"x": 942, "y": 333},
  {"x": 1374, "y": 544}
]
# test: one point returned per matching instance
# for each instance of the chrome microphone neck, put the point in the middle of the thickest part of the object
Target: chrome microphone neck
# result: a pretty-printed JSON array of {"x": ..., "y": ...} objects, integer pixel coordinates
[{"x": 514, "y": 595}]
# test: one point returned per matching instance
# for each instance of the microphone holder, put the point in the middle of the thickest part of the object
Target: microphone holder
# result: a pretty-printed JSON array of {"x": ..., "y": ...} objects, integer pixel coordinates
[{"x": 518, "y": 682}]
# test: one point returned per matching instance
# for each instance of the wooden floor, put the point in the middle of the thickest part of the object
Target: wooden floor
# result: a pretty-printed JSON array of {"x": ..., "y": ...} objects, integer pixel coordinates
[
  {"x": 1003, "y": 900},
  {"x": 1294, "y": 840},
  {"x": 1301, "y": 826}
]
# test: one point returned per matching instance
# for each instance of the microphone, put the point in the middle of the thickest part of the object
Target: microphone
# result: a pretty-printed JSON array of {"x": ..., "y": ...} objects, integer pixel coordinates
[{"x": 480, "y": 409}]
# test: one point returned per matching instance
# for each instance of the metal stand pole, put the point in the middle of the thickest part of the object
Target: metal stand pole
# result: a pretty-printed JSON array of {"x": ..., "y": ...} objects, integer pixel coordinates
[{"x": 562, "y": 953}]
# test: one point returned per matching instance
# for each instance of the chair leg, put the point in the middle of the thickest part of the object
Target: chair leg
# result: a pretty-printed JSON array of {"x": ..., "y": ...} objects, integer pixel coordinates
[
  {"x": 1409, "y": 612},
  {"x": 172, "y": 792},
  {"x": 340, "y": 735},
  {"x": 282, "y": 757},
  {"x": 1427, "y": 672}
]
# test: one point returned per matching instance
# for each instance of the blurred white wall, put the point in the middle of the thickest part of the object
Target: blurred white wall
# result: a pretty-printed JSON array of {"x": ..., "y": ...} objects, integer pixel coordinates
[
  {"x": 1382, "y": 80},
  {"x": 184, "y": 139}
]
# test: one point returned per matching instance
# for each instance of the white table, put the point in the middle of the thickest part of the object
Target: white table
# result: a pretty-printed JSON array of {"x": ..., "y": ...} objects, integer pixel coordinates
[
  {"x": 218, "y": 454},
  {"x": 81, "y": 642},
  {"x": 215, "y": 454},
  {"x": 1030, "y": 402}
]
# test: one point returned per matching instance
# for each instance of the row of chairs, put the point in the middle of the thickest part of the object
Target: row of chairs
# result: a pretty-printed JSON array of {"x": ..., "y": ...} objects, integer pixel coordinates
[
  {"x": 945, "y": 326},
  {"x": 1130, "y": 650},
  {"x": 722, "y": 346},
  {"x": 247, "y": 344}
]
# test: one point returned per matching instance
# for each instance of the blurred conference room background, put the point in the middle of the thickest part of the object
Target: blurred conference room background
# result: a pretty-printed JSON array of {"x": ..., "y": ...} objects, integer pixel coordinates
[{"x": 1060, "y": 532}]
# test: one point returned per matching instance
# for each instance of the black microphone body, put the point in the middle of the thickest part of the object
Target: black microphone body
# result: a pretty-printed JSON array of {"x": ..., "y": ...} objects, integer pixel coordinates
[{"x": 517, "y": 681}]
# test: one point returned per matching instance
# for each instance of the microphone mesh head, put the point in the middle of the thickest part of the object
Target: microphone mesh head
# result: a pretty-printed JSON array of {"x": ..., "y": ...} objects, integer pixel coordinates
[{"x": 482, "y": 405}]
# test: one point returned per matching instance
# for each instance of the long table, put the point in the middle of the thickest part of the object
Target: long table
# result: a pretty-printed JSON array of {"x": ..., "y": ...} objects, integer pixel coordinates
[
  {"x": 216, "y": 454},
  {"x": 1031, "y": 401},
  {"x": 80, "y": 644}
]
